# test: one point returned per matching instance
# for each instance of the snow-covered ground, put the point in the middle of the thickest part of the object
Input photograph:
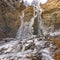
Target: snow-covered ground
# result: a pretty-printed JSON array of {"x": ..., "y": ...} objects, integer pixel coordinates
[{"x": 26, "y": 49}]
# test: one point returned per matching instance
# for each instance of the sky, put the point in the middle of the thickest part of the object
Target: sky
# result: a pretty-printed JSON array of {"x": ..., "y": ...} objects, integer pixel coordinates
[{"x": 42, "y": 1}]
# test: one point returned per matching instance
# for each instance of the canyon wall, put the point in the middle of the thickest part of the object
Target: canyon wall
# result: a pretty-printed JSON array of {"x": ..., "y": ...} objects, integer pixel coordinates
[
  {"x": 51, "y": 13},
  {"x": 10, "y": 12},
  {"x": 9, "y": 17}
]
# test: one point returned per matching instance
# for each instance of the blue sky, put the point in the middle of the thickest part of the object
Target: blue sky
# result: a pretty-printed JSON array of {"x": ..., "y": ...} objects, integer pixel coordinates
[{"x": 42, "y": 1}]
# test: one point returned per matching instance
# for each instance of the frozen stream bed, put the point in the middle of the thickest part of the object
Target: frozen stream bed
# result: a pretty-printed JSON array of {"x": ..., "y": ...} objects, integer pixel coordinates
[{"x": 27, "y": 49}]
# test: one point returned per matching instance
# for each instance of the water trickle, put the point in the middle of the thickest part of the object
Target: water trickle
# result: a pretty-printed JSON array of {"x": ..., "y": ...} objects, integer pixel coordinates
[
  {"x": 33, "y": 27},
  {"x": 25, "y": 30},
  {"x": 21, "y": 28}
]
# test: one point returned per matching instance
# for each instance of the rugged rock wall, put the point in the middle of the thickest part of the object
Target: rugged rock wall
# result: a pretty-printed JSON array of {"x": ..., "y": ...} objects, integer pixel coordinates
[
  {"x": 51, "y": 13},
  {"x": 9, "y": 17},
  {"x": 10, "y": 12}
]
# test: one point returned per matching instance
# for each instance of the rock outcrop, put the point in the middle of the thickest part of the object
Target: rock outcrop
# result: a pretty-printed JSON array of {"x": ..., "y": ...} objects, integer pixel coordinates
[
  {"x": 51, "y": 13},
  {"x": 10, "y": 12}
]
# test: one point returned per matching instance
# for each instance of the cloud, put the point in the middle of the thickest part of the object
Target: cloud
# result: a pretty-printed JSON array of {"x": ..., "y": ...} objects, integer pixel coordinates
[{"x": 42, "y": 1}]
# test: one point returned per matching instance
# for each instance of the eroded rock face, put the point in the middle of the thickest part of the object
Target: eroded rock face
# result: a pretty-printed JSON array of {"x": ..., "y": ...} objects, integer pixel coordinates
[
  {"x": 51, "y": 13},
  {"x": 10, "y": 12}
]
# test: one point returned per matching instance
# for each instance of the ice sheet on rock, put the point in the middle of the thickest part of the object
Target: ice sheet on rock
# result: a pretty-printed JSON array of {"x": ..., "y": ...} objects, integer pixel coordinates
[
  {"x": 47, "y": 54},
  {"x": 23, "y": 54},
  {"x": 10, "y": 47},
  {"x": 25, "y": 30},
  {"x": 11, "y": 43},
  {"x": 40, "y": 43},
  {"x": 19, "y": 54},
  {"x": 55, "y": 33}
]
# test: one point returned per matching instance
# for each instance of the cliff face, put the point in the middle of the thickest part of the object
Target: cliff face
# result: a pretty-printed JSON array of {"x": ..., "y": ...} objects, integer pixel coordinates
[
  {"x": 10, "y": 12},
  {"x": 51, "y": 13}
]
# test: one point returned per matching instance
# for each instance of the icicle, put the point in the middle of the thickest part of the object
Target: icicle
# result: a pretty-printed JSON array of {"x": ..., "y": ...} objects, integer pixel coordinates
[{"x": 25, "y": 30}]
